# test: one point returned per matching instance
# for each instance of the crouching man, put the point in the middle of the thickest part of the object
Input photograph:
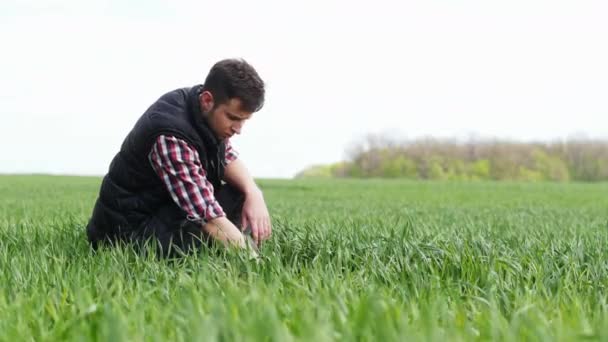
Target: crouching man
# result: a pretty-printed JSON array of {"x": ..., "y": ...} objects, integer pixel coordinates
[{"x": 177, "y": 181}]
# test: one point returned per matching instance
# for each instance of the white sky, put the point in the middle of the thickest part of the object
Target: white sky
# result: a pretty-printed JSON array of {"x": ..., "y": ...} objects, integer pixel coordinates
[{"x": 75, "y": 75}]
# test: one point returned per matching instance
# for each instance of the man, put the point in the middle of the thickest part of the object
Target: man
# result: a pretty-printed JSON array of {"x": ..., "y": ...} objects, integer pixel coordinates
[{"x": 177, "y": 180}]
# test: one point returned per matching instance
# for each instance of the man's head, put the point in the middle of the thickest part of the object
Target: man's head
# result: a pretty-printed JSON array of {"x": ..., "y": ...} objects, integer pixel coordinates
[{"x": 232, "y": 92}]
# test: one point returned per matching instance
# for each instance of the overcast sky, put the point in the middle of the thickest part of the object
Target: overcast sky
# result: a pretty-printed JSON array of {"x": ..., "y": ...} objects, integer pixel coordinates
[{"x": 75, "y": 75}]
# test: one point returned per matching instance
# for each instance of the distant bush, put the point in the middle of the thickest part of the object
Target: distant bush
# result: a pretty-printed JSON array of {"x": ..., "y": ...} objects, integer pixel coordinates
[{"x": 578, "y": 160}]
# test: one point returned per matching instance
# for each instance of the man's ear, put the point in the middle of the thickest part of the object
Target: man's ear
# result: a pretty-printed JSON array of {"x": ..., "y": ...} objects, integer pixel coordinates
[{"x": 206, "y": 101}]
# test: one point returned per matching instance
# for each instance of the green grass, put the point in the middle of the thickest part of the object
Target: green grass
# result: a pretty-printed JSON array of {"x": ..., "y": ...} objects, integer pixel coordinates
[{"x": 349, "y": 260}]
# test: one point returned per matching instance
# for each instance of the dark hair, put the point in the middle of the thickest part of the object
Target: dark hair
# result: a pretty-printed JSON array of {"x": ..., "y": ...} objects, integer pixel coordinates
[{"x": 235, "y": 78}]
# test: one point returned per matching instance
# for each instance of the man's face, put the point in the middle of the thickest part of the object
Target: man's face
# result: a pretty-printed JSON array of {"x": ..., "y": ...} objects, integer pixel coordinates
[{"x": 226, "y": 119}]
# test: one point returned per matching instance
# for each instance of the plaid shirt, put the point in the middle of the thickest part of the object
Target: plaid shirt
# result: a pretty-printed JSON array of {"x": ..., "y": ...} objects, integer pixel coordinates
[{"x": 179, "y": 166}]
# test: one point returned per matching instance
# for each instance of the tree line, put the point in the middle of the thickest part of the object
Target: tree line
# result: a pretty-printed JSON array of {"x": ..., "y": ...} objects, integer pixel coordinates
[{"x": 475, "y": 159}]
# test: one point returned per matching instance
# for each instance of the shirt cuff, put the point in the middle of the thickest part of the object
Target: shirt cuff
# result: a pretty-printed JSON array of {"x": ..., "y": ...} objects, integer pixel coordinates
[{"x": 214, "y": 210}]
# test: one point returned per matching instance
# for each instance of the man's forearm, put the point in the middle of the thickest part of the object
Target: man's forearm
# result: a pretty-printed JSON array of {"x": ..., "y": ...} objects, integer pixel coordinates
[
  {"x": 237, "y": 175},
  {"x": 254, "y": 213}
]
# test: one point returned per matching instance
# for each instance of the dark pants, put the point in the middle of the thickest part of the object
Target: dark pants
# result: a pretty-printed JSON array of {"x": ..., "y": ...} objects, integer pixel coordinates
[{"x": 172, "y": 234}]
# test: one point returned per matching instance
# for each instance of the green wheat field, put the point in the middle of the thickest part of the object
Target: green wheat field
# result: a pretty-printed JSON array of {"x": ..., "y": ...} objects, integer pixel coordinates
[{"x": 361, "y": 260}]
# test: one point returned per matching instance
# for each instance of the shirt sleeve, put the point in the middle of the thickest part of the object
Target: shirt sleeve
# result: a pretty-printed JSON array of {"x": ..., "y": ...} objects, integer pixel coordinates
[
  {"x": 179, "y": 167},
  {"x": 231, "y": 154}
]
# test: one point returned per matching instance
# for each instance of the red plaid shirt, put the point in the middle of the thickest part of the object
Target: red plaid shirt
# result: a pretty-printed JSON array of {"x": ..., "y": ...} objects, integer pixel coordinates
[{"x": 179, "y": 166}]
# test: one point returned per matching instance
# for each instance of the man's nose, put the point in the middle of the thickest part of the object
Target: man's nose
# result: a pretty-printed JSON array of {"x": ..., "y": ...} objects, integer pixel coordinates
[{"x": 236, "y": 128}]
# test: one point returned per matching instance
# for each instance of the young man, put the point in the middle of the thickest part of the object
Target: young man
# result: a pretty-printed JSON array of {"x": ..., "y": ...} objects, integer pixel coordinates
[{"x": 176, "y": 180}]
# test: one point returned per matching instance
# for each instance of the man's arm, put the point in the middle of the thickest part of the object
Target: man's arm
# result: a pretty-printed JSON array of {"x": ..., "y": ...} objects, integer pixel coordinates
[
  {"x": 237, "y": 175},
  {"x": 178, "y": 165},
  {"x": 255, "y": 212}
]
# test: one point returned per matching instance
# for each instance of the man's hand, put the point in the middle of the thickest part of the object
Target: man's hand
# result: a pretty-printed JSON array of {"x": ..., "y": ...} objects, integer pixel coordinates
[
  {"x": 222, "y": 230},
  {"x": 255, "y": 215}
]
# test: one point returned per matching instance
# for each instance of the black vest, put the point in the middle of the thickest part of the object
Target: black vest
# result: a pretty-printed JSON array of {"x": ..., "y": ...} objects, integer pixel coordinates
[{"x": 131, "y": 192}]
